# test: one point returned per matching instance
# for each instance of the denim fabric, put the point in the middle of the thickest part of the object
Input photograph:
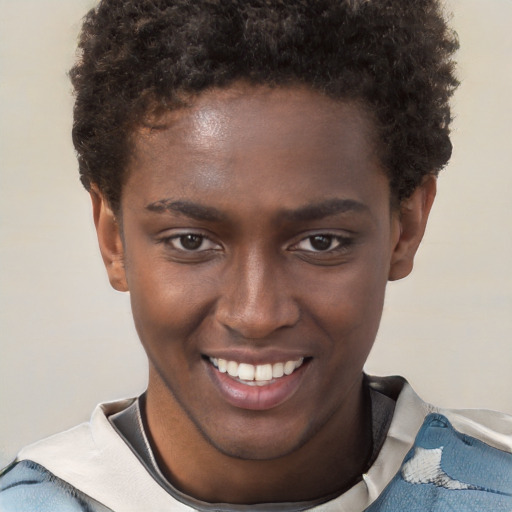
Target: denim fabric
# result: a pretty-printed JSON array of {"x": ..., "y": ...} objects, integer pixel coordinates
[
  {"x": 28, "y": 487},
  {"x": 446, "y": 470}
]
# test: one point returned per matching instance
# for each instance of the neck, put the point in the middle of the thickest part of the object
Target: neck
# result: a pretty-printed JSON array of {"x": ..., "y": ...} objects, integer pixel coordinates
[{"x": 330, "y": 462}]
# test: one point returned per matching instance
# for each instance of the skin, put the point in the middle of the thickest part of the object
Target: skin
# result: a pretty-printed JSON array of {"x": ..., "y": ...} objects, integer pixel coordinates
[{"x": 254, "y": 174}]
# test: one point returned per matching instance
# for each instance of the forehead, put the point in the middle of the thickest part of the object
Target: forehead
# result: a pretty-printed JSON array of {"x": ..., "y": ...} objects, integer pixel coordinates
[{"x": 295, "y": 140}]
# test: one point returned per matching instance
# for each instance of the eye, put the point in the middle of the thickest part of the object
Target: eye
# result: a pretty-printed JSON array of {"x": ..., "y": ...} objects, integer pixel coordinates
[
  {"x": 320, "y": 243},
  {"x": 191, "y": 242}
]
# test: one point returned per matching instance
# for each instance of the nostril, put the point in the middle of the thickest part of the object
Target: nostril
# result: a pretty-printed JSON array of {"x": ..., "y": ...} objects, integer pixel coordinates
[
  {"x": 256, "y": 301},
  {"x": 255, "y": 330},
  {"x": 256, "y": 321}
]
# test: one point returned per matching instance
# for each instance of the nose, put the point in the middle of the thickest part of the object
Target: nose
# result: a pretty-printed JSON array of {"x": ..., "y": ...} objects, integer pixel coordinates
[{"x": 256, "y": 300}]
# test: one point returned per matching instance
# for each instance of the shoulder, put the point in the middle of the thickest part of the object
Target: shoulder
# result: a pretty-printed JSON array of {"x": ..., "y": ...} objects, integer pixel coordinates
[
  {"x": 457, "y": 460},
  {"x": 491, "y": 427},
  {"x": 449, "y": 470},
  {"x": 90, "y": 464},
  {"x": 28, "y": 487},
  {"x": 47, "y": 475},
  {"x": 411, "y": 412}
]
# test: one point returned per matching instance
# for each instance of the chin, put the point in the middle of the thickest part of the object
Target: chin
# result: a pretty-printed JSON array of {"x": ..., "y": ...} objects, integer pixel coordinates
[
  {"x": 259, "y": 441},
  {"x": 254, "y": 449}
]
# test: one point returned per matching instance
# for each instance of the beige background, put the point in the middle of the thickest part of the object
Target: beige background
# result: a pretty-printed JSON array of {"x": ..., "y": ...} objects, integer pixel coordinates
[{"x": 67, "y": 340}]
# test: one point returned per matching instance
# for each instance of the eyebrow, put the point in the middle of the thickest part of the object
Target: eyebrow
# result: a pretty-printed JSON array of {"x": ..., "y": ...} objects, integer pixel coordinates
[
  {"x": 310, "y": 212},
  {"x": 187, "y": 208},
  {"x": 330, "y": 207}
]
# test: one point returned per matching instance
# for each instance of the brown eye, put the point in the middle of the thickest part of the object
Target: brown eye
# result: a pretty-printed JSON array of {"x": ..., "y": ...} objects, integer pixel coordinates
[
  {"x": 321, "y": 242},
  {"x": 191, "y": 242}
]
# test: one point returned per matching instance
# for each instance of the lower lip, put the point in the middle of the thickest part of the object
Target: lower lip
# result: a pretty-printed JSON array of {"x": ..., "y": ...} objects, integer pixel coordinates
[{"x": 257, "y": 398}]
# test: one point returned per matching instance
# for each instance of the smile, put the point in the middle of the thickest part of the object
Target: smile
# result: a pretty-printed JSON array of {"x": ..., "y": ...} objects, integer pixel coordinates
[
  {"x": 256, "y": 375},
  {"x": 257, "y": 386}
]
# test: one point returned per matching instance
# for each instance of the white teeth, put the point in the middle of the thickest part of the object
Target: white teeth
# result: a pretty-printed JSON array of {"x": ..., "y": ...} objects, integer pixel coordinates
[
  {"x": 246, "y": 371},
  {"x": 289, "y": 366},
  {"x": 278, "y": 370},
  {"x": 233, "y": 368},
  {"x": 263, "y": 372},
  {"x": 260, "y": 374}
]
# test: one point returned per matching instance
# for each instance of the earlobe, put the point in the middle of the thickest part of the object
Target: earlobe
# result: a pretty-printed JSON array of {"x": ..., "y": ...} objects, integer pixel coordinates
[
  {"x": 109, "y": 239},
  {"x": 413, "y": 218}
]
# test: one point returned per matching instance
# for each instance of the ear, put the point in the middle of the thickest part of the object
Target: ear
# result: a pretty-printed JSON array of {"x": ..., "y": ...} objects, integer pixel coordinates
[
  {"x": 110, "y": 240},
  {"x": 412, "y": 221}
]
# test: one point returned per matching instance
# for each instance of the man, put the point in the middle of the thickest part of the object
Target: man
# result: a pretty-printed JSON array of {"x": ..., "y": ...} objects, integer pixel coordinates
[{"x": 258, "y": 172}]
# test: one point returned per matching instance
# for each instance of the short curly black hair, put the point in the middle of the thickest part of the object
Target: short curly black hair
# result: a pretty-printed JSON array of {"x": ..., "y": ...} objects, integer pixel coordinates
[{"x": 139, "y": 57}]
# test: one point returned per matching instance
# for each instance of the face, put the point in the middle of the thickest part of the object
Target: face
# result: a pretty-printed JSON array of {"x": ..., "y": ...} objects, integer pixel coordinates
[{"x": 257, "y": 243}]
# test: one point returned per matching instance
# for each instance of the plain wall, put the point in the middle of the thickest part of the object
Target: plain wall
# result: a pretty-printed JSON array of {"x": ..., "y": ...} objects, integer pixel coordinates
[{"x": 67, "y": 339}]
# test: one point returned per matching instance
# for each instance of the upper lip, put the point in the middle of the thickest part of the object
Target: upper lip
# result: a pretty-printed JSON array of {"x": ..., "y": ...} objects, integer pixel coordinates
[{"x": 255, "y": 357}]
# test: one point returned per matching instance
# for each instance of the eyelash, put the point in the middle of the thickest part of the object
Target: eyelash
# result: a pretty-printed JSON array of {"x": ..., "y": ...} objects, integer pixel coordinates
[
  {"x": 169, "y": 241},
  {"x": 342, "y": 243}
]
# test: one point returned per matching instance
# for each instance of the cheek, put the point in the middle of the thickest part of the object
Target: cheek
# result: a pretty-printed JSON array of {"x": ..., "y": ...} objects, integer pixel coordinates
[
  {"x": 168, "y": 302},
  {"x": 357, "y": 288},
  {"x": 348, "y": 305}
]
